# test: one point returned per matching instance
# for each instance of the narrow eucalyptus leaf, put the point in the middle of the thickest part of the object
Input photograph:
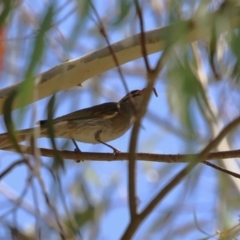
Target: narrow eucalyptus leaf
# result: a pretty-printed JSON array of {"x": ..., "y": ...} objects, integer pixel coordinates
[
  {"x": 6, "y": 7},
  {"x": 124, "y": 7},
  {"x": 212, "y": 52},
  {"x": 234, "y": 44},
  {"x": 7, "y": 116},
  {"x": 58, "y": 161},
  {"x": 186, "y": 95}
]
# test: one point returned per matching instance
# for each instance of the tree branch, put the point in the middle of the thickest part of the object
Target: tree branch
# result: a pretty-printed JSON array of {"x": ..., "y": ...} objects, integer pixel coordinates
[
  {"x": 150, "y": 157},
  {"x": 67, "y": 74}
]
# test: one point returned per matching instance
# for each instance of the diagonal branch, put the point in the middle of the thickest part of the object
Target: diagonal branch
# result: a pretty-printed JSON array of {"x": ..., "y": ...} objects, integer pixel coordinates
[
  {"x": 178, "y": 178},
  {"x": 105, "y": 36},
  {"x": 221, "y": 169}
]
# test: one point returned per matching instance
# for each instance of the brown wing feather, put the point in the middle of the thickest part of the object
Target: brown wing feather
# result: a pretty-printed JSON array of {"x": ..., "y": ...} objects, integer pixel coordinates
[{"x": 105, "y": 110}]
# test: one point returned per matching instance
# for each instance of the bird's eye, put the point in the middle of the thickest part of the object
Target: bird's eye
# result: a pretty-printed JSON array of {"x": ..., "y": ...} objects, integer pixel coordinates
[
  {"x": 131, "y": 94},
  {"x": 134, "y": 91}
]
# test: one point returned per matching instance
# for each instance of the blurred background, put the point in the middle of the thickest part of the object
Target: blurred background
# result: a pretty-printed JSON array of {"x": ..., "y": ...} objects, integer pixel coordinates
[{"x": 198, "y": 90}]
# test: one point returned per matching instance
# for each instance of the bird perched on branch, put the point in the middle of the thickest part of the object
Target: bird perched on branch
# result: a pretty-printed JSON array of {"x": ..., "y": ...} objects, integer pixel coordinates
[{"x": 98, "y": 124}]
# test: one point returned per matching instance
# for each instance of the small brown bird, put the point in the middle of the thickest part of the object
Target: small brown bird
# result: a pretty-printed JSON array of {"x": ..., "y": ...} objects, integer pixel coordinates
[{"x": 98, "y": 124}]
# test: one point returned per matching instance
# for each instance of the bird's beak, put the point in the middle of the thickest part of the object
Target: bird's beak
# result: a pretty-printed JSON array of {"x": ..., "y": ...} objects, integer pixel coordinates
[{"x": 155, "y": 92}]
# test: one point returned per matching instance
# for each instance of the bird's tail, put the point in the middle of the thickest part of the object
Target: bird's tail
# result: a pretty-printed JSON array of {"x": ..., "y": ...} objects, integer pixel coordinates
[{"x": 22, "y": 135}]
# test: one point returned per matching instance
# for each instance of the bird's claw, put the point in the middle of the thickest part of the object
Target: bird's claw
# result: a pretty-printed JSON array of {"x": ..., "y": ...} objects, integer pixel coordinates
[
  {"x": 115, "y": 151},
  {"x": 77, "y": 150}
]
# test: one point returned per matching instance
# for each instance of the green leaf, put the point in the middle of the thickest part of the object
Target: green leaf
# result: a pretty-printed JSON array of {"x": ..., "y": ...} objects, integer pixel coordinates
[
  {"x": 7, "y": 116},
  {"x": 234, "y": 43},
  {"x": 84, "y": 7},
  {"x": 124, "y": 7},
  {"x": 212, "y": 51},
  {"x": 6, "y": 7},
  {"x": 58, "y": 161},
  {"x": 186, "y": 95},
  {"x": 85, "y": 216}
]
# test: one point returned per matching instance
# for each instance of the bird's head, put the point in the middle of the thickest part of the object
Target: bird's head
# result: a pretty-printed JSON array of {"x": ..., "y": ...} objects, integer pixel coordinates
[{"x": 135, "y": 97}]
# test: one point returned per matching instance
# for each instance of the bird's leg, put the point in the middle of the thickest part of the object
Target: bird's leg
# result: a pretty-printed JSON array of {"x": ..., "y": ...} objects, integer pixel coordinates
[
  {"x": 97, "y": 138},
  {"x": 77, "y": 149}
]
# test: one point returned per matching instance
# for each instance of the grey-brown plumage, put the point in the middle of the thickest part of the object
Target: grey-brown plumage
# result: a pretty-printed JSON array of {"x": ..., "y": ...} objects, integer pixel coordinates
[{"x": 98, "y": 124}]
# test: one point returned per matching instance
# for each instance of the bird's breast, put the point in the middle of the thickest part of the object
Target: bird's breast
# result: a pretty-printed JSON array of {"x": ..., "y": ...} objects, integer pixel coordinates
[{"x": 86, "y": 130}]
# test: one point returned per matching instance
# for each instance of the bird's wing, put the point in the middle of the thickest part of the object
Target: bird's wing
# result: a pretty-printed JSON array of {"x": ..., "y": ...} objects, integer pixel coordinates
[{"x": 105, "y": 110}]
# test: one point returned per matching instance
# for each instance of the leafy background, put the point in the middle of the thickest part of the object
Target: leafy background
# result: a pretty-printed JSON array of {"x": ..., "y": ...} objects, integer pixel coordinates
[{"x": 198, "y": 94}]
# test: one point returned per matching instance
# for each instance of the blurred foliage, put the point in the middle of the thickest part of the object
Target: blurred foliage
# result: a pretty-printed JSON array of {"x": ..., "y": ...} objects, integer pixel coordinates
[
  {"x": 234, "y": 44},
  {"x": 27, "y": 86},
  {"x": 196, "y": 93},
  {"x": 124, "y": 7},
  {"x": 185, "y": 93},
  {"x": 6, "y": 8}
]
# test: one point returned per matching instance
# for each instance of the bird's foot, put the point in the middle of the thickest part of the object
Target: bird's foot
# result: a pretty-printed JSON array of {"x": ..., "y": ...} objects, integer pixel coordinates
[
  {"x": 77, "y": 150},
  {"x": 115, "y": 151}
]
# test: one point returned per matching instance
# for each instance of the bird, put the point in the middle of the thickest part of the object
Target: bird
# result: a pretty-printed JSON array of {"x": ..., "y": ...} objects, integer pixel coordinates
[{"x": 97, "y": 124}]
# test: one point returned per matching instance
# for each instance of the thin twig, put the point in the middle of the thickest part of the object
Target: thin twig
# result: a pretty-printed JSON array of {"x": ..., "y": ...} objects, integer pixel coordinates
[
  {"x": 142, "y": 36},
  {"x": 36, "y": 207},
  {"x": 19, "y": 200},
  {"x": 62, "y": 229},
  {"x": 152, "y": 75},
  {"x": 70, "y": 216},
  {"x": 111, "y": 50},
  {"x": 137, "y": 124},
  {"x": 11, "y": 195},
  {"x": 11, "y": 167},
  {"x": 221, "y": 169}
]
